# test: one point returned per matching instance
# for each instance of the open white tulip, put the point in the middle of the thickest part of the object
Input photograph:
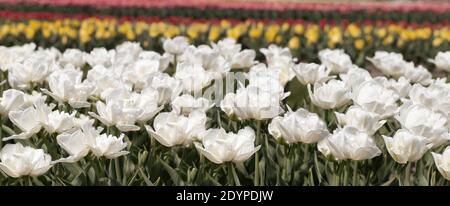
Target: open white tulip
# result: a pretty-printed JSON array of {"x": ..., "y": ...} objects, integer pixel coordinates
[
  {"x": 109, "y": 146},
  {"x": 233, "y": 54},
  {"x": 390, "y": 63},
  {"x": 372, "y": 96},
  {"x": 349, "y": 143},
  {"x": 252, "y": 102},
  {"x": 59, "y": 122},
  {"x": 299, "y": 126},
  {"x": 209, "y": 59},
  {"x": 336, "y": 60},
  {"x": 280, "y": 59},
  {"x": 29, "y": 120},
  {"x": 311, "y": 73},
  {"x": 362, "y": 120},
  {"x": 354, "y": 77},
  {"x": 168, "y": 87},
  {"x": 11, "y": 100},
  {"x": 171, "y": 129},
  {"x": 100, "y": 56},
  {"x": 75, "y": 144},
  {"x": 442, "y": 61},
  {"x": 17, "y": 160},
  {"x": 186, "y": 103},
  {"x": 422, "y": 121},
  {"x": 402, "y": 86},
  {"x": 176, "y": 45},
  {"x": 442, "y": 162},
  {"x": 418, "y": 74},
  {"x": 115, "y": 113},
  {"x": 330, "y": 95},
  {"x": 31, "y": 71},
  {"x": 220, "y": 147},
  {"x": 193, "y": 76},
  {"x": 74, "y": 57},
  {"x": 405, "y": 147},
  {"x": 66, "y": 86}
]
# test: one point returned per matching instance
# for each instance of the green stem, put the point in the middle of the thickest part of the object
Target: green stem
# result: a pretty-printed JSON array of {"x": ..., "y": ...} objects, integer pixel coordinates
[
  {"x": 407, "y": 174},
  {"x": 1, "y": 132},
  {"x": 117, "y": 169},
  {"x": 355, "y": 173},
  {"x": 257, "y": 175}
]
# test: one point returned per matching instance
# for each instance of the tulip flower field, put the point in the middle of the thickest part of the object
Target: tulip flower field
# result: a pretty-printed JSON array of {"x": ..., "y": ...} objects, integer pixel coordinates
[{"x": 103, "y": 101}]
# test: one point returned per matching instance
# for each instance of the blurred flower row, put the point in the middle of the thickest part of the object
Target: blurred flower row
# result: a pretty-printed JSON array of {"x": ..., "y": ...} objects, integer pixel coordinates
[{"x": 304, "y": 39}]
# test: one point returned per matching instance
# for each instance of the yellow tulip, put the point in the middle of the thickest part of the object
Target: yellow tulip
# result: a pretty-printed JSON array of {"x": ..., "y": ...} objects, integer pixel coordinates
[
  {"x": 214, "y": 33},
  {"x": 312, "y": 34},
  {"x": 437, "y": 42},
  {"x": 353, "y": 30},
  {"x": 255, "y": 32},
  {"x": 299, "y": 29},
  {"x": 359, "y": 44},
  {"x": 294, "y": 43}
]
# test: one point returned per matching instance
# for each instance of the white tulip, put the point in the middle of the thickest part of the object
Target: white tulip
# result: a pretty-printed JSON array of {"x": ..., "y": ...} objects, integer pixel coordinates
[
  {"x": 73, "y": 143},
  {"x": 233, "y": 54},
  {"x": 220, "y": 147},
  {"x": 128, "y": 50},
  {"x": 266, "y": 80},
  {"x": 116, "y": 113},
  {"x": 274, "y": 53},
  {"x": 168, "y": 87},
  {"x": 336, "y": 60},
  {"x": 299, "y": 126},
  {"x": 140, "y": 72},
  {"x": 9, "y": 55},
  {"x": 354, "y": 77},
  {"x": 186, "y": 103},
  {"x": 418, "y": 74},
  {"x": 109, "y": 146},
  {"x": 374, "y": 97},
  {"x": 17, "y": 161},
  {"x": 164, "y": 60},
  {"x": 330, "y": 95},
  {"x": 11, "y": 100},
  {"x": 171, "y": 129},
  {"x": 390, "y": 63},
  {"x": 74, "y": 57},
  {"x": 251, "y": 103},
  {"x": 104, "y": 80},
  {"x": 442, "y": 162},
  {"x": 433, "y": 96},
  {"x": 422, "y": 121},
  {"x": 59, "y": 122},
  {"x": 176, "y": 46},
  {"x": 402, "y": 86},
  {"x": 442, "y": 61},
  {"x": 147, "y": 103},
  {"x": 29, "y": 120},
  {"x": 209, "y": 59},
  {"x": 31, "y": 71},
  {"x": 349, "y": 143},
  {"x": 100, "y": 56},
  {"x": 66, "y": 86},
  {"x": 405, "y": 147},
  {"x": 362, "y": 120},
  {"x": 279, "y": 59},
  {"x": 311, "y": 73},
  {"x": 193, "y": 76}
]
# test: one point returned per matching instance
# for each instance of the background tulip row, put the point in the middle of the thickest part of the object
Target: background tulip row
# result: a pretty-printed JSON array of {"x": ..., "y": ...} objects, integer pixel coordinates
[
  {"x": 410, "y": 12},
  {"x": 305, "y": 39}
]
